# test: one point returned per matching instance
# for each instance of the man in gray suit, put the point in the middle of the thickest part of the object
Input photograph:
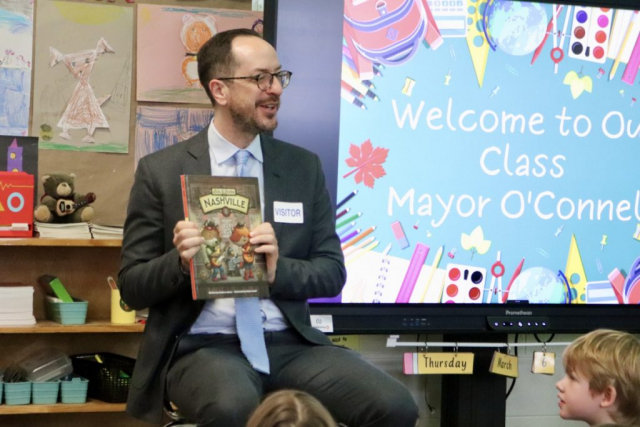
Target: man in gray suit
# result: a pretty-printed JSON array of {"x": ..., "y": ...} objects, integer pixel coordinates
[{"x": 191, "y": 353}]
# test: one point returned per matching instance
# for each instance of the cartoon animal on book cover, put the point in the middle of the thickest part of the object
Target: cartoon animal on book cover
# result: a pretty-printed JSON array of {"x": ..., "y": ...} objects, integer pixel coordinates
[
  {"x": 214, "y": 254},
  {"x": 60, "y": 202},
  {"x": 240, "y": 236},
  {"x": 83, "y": 111},
  {"x": 196, "y": 30},
  {"x": 387, "y": 32}
]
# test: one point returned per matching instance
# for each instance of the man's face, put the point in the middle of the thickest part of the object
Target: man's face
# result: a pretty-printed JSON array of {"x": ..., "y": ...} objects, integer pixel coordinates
[
  {"x": 577, "y": 401},
  {"x": 253, "y": 110}
]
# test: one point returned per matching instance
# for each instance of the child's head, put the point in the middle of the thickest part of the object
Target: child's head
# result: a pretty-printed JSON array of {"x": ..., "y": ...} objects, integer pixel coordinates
[
  {"x": 602, "y": 381},
  {"x": 291, "y": 408}
]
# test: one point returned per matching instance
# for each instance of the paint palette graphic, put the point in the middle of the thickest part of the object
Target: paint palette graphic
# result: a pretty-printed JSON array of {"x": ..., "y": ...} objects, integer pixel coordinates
[
  {"x": 590, "y": 33},
  {"x": 463, "y": 284}
]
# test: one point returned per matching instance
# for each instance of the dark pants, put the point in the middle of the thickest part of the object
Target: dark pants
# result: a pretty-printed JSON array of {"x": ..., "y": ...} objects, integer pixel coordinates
[{"x": 213, "y": 384}]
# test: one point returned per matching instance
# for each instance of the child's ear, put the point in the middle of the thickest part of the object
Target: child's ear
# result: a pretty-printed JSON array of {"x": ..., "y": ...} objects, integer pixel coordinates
[{"x": 608, "y": 397}]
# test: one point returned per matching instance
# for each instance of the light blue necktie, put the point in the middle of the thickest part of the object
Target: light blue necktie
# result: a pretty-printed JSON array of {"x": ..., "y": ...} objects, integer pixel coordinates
[{"x": 248, "y": 314}]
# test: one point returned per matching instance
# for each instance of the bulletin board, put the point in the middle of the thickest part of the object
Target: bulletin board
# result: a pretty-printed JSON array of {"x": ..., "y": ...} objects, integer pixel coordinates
[{"x": 107, "y": 174}]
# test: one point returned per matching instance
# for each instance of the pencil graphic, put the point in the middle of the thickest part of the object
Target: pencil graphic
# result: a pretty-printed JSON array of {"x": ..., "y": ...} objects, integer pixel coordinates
[
  {"x": 434, "y": 267},
  {"x": 362, "y": 251},
  {"x": 350, "y": 236},
  {"x": 346, "y": 228},
  {"x": 344, "y": 211},
  {"x": 347, "y": 96},
  {"x": 348, "y": 220},
  {"x": 625, "y": 40},
  {"x": 346, "y": 199},
  {"x": 359, "y": 237},
  {"x": 353, "y": 249}
]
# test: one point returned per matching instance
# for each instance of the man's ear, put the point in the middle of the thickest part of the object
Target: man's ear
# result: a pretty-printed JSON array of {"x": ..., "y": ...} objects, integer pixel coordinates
[
  {"x": 219, "y": 91},
  {"x": 608, "y": 397}
]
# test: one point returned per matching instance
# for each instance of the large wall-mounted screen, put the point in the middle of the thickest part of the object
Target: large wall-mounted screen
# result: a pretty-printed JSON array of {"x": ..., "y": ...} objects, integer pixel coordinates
[{"x": 487, "y": 152}]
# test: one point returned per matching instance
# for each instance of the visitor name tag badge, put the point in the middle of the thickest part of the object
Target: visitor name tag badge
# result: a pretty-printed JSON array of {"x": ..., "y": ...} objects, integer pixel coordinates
[{"x": 288, "y": 213}]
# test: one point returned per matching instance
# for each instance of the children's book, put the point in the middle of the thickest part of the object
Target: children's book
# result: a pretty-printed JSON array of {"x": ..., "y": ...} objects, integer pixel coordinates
[{"x": 226, "y": 209}]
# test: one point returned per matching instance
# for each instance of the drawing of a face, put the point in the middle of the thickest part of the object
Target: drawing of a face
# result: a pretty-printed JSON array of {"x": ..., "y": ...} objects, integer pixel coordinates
[
  {"x": 82, "y": 63},
  {"x": 196, "y": 30}
]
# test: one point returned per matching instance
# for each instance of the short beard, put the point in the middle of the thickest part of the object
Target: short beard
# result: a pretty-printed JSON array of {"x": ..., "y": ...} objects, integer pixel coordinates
[{"x": 248, "y": 124}]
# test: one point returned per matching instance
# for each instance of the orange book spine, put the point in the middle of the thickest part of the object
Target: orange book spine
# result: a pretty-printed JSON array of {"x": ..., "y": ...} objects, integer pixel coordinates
[{"x": 185, "y": 206}]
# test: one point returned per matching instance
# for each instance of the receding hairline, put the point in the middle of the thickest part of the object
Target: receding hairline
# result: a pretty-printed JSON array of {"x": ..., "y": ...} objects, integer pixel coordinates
[{"x": 234, "y": 60}]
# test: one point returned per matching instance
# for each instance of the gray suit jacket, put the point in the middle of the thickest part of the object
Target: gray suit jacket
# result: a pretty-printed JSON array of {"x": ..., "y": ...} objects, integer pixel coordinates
[{"x": 310, "y": 261}]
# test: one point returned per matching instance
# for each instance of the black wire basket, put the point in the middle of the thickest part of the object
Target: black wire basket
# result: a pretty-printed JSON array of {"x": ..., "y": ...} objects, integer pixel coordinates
[{"x": 109, "y": 375}]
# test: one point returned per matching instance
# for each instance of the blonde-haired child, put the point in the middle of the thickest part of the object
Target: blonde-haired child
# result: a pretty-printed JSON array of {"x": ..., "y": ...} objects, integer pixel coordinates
[
  {"x": 291, "y": 408},
  {"x": 602, "y": 382}
]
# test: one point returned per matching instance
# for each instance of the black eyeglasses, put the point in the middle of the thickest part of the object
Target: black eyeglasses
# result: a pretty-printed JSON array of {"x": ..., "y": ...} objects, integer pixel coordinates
[{"x": 265, "y": 80}]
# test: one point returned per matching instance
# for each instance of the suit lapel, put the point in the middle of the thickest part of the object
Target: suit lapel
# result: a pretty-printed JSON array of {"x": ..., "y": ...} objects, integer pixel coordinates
[
  {"x": 198, "y": 161},
  {"x": 274, "y": 184}
]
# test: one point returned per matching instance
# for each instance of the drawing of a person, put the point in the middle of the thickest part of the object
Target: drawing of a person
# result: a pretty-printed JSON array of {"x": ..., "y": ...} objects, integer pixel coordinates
[{"x": 83, "y": 109}]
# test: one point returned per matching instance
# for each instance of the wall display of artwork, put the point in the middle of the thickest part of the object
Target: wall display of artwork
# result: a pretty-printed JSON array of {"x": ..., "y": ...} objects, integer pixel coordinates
[
  {"x": 160, "y": 127},
  {"x": 77, "y": 115},
  {"x": 16, "y": 34},
  {"x": 83, "y": 77},
  {"x": 168, "y": 40}
]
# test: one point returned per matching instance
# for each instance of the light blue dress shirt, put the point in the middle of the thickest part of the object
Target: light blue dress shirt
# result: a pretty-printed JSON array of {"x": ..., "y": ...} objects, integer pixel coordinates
[{"x": 219, "y": 315}]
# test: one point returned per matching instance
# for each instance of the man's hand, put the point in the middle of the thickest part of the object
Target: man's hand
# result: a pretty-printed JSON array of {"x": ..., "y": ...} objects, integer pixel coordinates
[
  {"x": 187, "y": 240},
  {"x": 266, "y": 243}
]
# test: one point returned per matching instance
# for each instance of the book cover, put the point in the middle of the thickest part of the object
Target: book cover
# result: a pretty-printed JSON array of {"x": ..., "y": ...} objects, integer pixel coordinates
[
  {"x": 226, "y": 209},
  {"x": 16, "y": 204}
]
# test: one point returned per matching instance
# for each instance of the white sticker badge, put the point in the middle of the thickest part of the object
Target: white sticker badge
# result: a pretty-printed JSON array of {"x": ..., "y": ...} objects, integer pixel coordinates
[{"x": 289, "y": 213}]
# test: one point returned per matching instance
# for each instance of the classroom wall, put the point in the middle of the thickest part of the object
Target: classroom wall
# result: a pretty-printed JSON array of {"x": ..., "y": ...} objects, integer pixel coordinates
[{"x": 107, "y": 175}]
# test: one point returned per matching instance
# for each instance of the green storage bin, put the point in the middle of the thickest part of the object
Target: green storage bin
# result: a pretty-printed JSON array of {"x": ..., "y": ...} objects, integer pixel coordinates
[
  {"x": 74, "y": 390},
  {"x": 45, "y": 393},
  {"x": 67, "y": 313},
  {"x": 17, "y": 393},
  {"x": 1, "y": 385}
]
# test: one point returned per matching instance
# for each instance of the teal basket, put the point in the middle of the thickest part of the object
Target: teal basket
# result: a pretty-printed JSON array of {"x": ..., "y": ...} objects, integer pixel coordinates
[
  {"x": 67, "y": 313},
  {"x": 45, "y": 393},
  {"x": 74, "y": 390},
  {"x": 1, "y": 386},
  {"x": 17, "y": 393}
]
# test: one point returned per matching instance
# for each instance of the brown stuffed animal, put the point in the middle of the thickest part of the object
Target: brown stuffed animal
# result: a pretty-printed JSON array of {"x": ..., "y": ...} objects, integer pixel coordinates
[{"x": 60, "y": 203}]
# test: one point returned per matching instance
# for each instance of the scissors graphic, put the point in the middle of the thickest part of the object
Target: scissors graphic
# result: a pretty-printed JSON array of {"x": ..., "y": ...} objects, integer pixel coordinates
[{"x": 497, "y": 271}]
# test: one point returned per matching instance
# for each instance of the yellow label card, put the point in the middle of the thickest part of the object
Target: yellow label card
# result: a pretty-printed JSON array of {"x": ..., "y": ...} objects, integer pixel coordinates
[
  {"x": 349, "y": 341},
  {"x": 543, "y": 363},
  {"x": 504, "y": 364},
  {"x": 441, "y": 363}
]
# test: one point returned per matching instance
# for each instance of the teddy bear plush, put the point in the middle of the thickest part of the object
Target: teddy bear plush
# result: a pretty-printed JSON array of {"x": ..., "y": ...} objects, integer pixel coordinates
[{"x": 60, "y": 203}]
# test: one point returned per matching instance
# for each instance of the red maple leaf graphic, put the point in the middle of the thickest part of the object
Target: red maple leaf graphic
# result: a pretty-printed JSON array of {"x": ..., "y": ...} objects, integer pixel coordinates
[{"x": 367, "y": 162}]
